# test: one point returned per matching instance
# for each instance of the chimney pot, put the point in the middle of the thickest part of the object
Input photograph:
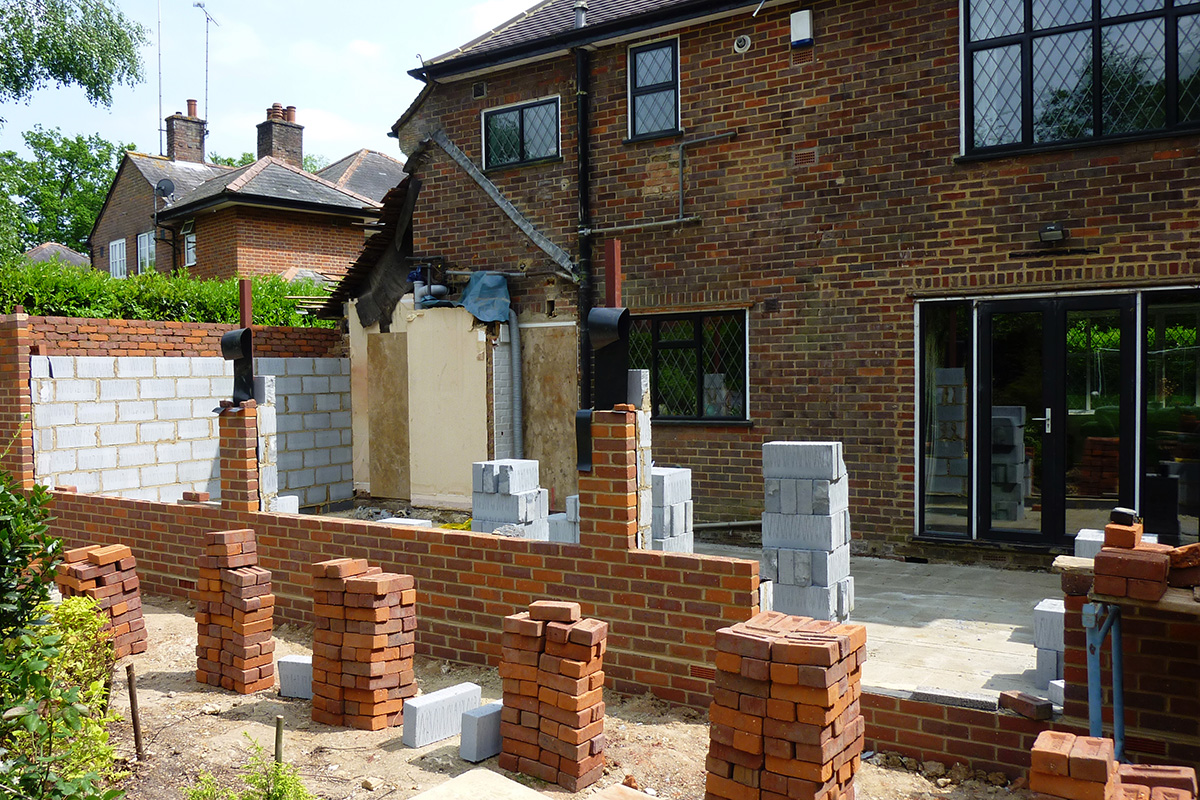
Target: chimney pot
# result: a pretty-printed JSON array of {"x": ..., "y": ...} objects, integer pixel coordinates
[
  {"x": 280, "y": 137},
  {"x": 191, "y": 104},
  {"x": 185, "y": 135},
  {"x": 291, "y": 114}
]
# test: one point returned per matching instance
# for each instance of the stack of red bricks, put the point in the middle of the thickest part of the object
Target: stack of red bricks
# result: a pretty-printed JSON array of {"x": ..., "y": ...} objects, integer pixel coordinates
[
  {"x": 234, "y": 615},
  {"x": 1127, "y": 566},
  {"x": 1074, "y": 767},
  {"x": 1099, "y": 466},
  {"x": 1185, "y": 566},
  {"x": 552, "y": 724},
  {"x": 363, "y": 645},
  {"x": 1153, "y": 782},
  {"x": 785, "y": 719},
  {"x": 108, "y": 575}
]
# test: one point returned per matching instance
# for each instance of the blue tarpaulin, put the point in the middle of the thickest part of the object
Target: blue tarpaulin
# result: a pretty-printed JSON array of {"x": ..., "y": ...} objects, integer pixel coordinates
[{"x": 486, "y": 297}]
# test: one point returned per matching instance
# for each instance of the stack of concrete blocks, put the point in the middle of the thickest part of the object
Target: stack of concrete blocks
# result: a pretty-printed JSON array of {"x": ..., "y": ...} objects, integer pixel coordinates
[
  {"x": 564, "y": 527},
  {"x": 948, "y": 463},
  {"x": 108, "y": 575},
  {"x": 552, "y": 722},
  {"x": 363, "y": 645},
  {"x": 1009, "y": 484},
  {"x": 268, "y": 450},
  {"x": 806, "y": 529},
  {"x": 785, "y": 719},
  {"x": 234, "y": 615},
  {"x": 506, "y": 494},
  {"x": 1048, "y": 620},
  {"x": 671, "y": 512}
]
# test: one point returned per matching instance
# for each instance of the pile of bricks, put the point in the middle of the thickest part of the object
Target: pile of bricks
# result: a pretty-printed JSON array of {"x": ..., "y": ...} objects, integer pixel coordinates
[
  {"x": 785, "y": 719},
  {"x": 234, "y": 608},
  {"x": 1099, "y": 467},
  {"x": 363, "y": 645},
  {"x": 108, "y": 575},
  {"x": 1154, "y": 782},
  {"x": 1074, "y": 767},
  {"x": 552, "y": 723},
  {"x": 505, "y": 494},
  {"x": 806, "y": 529},
  {"x": 1127, "y": 566},
  {"x": 1184, "y": 566},
  {"x": 671, "y": 526}
]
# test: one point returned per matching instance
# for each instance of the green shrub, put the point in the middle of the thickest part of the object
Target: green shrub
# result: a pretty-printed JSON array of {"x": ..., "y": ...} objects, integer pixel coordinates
[
  {"x": 264, "y": 778},
  {"x": 53, "y": 289},
  {"x": 28, "y": 554}
]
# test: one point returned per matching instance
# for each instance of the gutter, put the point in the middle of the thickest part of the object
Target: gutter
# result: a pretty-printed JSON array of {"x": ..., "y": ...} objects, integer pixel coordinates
[{"x": 267, "y": 202}]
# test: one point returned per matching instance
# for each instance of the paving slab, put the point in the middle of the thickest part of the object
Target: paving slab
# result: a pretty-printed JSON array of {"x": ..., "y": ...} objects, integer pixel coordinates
[{"x": 480, "y": 783}]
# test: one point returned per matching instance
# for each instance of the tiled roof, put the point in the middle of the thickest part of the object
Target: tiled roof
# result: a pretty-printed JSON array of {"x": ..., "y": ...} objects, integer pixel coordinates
[
  {"x": 186, "y": 175},
  {"x": 49, "y": 251},
  {"x": 272, "y": 180},
  {"x": 367, "y": 172},
  {"x": 552, "y": 17}
]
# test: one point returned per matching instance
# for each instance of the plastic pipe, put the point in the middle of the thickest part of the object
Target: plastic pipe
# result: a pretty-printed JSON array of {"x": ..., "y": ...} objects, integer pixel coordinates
[{"x": 514, "y": 358}]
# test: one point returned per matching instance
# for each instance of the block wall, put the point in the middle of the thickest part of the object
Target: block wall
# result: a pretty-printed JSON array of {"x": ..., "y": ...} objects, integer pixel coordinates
[{"x": 840, "y": 201}]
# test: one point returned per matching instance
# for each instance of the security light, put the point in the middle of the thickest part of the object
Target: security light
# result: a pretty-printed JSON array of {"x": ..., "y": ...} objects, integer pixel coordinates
[{"x": 1052, "y": 232}]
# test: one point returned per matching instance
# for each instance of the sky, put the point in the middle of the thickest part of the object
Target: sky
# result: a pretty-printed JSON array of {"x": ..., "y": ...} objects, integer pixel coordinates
[{"x": 343, "y": 65}]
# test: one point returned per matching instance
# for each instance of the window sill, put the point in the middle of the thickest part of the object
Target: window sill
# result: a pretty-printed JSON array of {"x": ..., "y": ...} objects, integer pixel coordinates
[
  {"x": 714, "y": 422},
  {"x": 1016, "y": 151},
  {"x": 522, "y": 164},
  {"x": 653, "y": 137}
]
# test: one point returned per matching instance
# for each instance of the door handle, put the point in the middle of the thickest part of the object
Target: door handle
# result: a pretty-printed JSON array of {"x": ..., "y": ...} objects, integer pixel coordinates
[{"x": 1046, "y": 419}]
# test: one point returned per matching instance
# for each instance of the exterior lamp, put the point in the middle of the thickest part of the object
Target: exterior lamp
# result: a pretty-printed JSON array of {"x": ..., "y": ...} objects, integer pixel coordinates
[{"x": 1052, "y": 233}]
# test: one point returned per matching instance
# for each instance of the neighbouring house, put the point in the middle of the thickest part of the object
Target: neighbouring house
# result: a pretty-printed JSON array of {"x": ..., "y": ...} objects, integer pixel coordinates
[
  {"x": 269, "y": 217},
  {"x": 53, "y": 251},
  {"x": 928, "y": 231}
]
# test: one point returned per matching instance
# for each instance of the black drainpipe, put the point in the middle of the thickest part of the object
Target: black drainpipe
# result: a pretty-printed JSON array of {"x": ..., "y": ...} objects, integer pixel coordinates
[{"x": 582, "y": 87}]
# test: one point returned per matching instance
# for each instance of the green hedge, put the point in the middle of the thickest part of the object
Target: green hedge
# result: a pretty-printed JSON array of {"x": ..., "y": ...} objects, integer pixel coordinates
[{"x": 52, "y": 289}]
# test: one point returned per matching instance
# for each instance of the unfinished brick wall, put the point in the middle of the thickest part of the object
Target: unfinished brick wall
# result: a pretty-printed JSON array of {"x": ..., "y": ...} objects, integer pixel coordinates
[
  {"x": 663, "y": 609},
  {"x": 239, "y": 462},
  {"x": 16, "y": 406},
  {"x": 78, "y": 336},
  {"x": 108, "y": 575},
  {"x": 839, "y": 202}
]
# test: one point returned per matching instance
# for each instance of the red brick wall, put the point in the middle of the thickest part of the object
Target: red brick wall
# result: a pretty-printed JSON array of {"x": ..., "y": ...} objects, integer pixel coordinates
[
  {"x": 16, "y": 406},
  {"x": 1162, "y": 681},
  {"x": 663, "y": 608},
  {"x": 73, "y": 336},
  {"x": 840, "y": 200},
  {"x": 247, "y": 241}
]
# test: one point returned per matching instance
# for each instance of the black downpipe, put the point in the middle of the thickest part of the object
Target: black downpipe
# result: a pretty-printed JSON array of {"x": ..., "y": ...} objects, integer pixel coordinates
[{"x": 583, "y": 147}]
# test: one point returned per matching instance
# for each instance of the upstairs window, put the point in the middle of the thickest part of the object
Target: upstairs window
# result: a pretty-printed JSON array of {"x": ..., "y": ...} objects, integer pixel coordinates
[
  {"x": 145, "y": 244},
  {"x": 654, "y": 89},
  {"x": 697, "y": 363},
  {"x": 521, "y": 134},
  {"x": 1043, "y": 72},
  {"x": 116, "y": 258}
]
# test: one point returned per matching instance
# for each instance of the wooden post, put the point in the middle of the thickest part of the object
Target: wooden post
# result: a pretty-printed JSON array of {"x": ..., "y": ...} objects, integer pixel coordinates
[
  {"x": 612, "y": 273},
  {"x": 245, "y": 303}
]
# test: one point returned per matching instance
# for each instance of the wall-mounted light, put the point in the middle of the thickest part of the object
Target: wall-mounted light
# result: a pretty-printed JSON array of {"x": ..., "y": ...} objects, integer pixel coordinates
[{"x": 1052, "y": 233}]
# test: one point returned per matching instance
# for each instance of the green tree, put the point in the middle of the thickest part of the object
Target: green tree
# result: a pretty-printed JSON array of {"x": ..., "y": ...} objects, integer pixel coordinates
[
  {"x": 230, "y": 161},
  {"x": 85, "y": 43},
  {"x": 56, "y": 195},
  {"x": 315, "y": 163}
]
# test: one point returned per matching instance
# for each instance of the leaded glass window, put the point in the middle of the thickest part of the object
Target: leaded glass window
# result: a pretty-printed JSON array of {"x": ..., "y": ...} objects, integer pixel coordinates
[
  {"x": 521, "y": 134},
  {"x": 653, "y": 89},
  {"x": 697, "y": 363}
]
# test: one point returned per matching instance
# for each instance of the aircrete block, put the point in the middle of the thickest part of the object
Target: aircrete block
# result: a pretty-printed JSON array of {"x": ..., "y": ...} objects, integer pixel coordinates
[
  {"x": 804, "y": 532},
  {"x": 830, "y": 567},
  {"x": 538, "y": 530},
  {"x": 1049, "y": 667},
  {"x": 818, "y": 602},
  {"x": 810, "y": 460},
  {"x": 683, "y": 543},
  {"x": 481, "y": 732},
  {"x": 520, "y": 507},
  {"x": 845, "y": 598},
  {"x": 638, "y": 388},
  {"x": 766, "y": 595},
  {"x": 408, "y": 522},
  {"x": 573, "y": 508},
  {"x": 984, "y": 701},
  {"x": 432, "y": 717},
  {"x": 1055, "y": 692},
  {"x": 670, "y": 485},
  {"x": 562, "y": 529},
  {"x": 295, "y": 676},
  {"x": 1048, "y": 617},
  {"x": 789, "y": 496},
  {"x": 285, "y": 504},
  {"x": 830, "y": 497},
  {"x": 1088, "y": 542},
  {"x": 795, "y": 567},
  {"x": 515, "y": 475}
]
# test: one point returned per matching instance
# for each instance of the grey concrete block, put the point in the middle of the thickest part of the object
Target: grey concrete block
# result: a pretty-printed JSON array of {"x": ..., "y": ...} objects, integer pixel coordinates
[
  {"x": 845, "y": 598},
  {"x": 1048, "y": 620},
  {"x": 264, "y": 389},
  {"x": 766, "y": 596},
  {"x": 410, "y": 522},
  {"x": 638, "y": 389},
  {"x": 804, "y": 532},
  {"x": 562, "y": 529},
  {"x": 683, "y": 543},
  {"x": 515, "y": 475},
  {"x": 773, "y": 496},
  {"x": 520, "y": 507},
  {"x": 481, "y": 732},
  {"x": 830, "y": 497},
  {"x": 981, "y": 700},
  {"x": 1055, "y": 691},
  {"x": 818, "y": 602},
  {"x": 429, "y": 718},
  {"x": 1049, "y": 667},
  {"x": 830, "y": 567},
  {"x": 477, "y": 476},
  {"x": 808, "y": 460},
  {"x": 768, "y": 564},
  {"x": 295, "y": 676},
  {"x": 795, "y": 567},
  {"x": 573, "y": 508},
  {"x": 670, "y": 485},
  {"x": 285, "y": 504}
]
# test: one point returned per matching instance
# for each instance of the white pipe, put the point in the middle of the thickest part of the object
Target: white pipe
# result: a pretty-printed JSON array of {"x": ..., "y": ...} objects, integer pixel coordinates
[{"x": 514, "y": 357}]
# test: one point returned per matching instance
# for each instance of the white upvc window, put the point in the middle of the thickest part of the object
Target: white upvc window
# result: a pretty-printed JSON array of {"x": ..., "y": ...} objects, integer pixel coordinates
[
  {"x": 189, "y": 243},
  {"x": 116, "y": 258},
  {"x": 146, "y": 255}
]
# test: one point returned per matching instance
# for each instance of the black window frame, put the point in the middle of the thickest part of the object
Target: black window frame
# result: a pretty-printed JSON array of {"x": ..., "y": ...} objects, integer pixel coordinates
[
  {"x": 520, "y": 109},
  {"x": 1171, "y": 12},
  {"x": 695, "y": 344},
  {"x": 634, "y": 91}
]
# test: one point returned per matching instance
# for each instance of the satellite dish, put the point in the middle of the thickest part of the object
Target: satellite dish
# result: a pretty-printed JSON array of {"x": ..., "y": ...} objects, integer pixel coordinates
[{"x": 164, "y": 188}]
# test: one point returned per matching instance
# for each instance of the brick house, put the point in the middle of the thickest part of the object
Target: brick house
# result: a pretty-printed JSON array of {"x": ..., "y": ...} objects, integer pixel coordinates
[
  {"x": 263, "y": 218},
  {"x": 930, "y": 236}
]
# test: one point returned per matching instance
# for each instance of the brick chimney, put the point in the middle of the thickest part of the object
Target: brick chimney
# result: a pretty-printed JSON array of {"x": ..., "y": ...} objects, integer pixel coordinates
[
  {"x": 281, "y": 137},
  {"x": 185, "y": 135}
]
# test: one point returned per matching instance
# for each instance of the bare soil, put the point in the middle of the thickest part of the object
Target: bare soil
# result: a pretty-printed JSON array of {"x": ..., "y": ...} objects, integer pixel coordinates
[{"x": 189, "y": 729}]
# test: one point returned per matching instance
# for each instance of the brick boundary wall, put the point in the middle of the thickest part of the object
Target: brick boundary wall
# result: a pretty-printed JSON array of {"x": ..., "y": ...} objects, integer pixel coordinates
[
  {"x": 16, "y": 404},
  {"x": 76, "y": 336}
]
